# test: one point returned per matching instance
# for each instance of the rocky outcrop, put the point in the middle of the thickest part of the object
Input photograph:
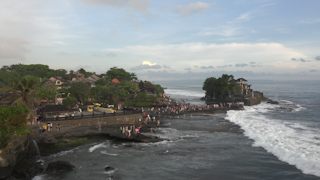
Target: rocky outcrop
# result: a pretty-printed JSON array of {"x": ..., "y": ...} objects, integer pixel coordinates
[
  {"x": 59, "y": 167},
  {"x": 272, "y": 101},
  {"x": 16, "y": 150},
  {"x": 109, "y": 168}
]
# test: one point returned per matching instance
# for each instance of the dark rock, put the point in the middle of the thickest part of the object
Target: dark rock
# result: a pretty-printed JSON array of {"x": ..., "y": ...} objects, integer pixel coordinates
[
  {"x": 109, "y": 168},
  {"x": 272, "y": 102},
  {"x": 27, "y": 168},
  {"x": 11, "y": 178},
  {"x": 15, "y": 151},
  {"x": 59, "y": 167}
]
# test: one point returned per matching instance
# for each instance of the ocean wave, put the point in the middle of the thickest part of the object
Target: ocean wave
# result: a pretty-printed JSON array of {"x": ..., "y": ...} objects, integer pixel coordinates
[
  {"x": 110, "y": 154},
  {"x": 293, "y": 143},
  {"x": 184, "y": 93},
  {"x": 175, "y": 134},
  {"x": 91, "y": 149},
  {"x": 62, "y": 153}
]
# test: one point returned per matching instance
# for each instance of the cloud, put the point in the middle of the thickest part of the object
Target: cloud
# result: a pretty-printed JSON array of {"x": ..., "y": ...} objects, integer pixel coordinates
[
  {"x": 225, "y": 31},
  {"x": 13, "y": 48},
  {"x": 193, "y": 8},
  {"x": 244, "y": 17},
  {"x": 303, "y": 60},
  {"x": 300, "y": 59},
  {"x": 187, "y": 69},
  {"x": 317, "y": 58},
  {"x": 199, "y": 77},
  {"x": 224, "y": 66},
  {"x": 252, "y": 62},
  {"x": 195, "y": 66},
  {"x": 63, "y": 53},
  {"x": 96, "y": 55},
  {"x": 140, "y": 6},
  {"x": 166, "y": 67},
  {"x": 146, "y": 65},
  {"x": 111, "y": 54},
  {"x": 241, "y": 65},
  {"x": 313, "y": 70},
  {"x": 187, "y": 55},
  {"x": 206, "y": 67}
]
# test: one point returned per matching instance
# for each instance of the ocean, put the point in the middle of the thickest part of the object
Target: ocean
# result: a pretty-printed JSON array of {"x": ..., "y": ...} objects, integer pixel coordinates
[{"x": 265, "y": 141}]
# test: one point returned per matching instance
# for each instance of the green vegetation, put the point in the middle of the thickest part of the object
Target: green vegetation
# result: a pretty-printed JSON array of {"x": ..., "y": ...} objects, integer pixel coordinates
[
  {"x": 71, "y": 142},
  {"x": 69, "y": 102},
  {"x": 137, "y": 103},
  {"x": 120, "y": 74},
  {"x": 80, "y": 90},
  {"x": 218, "y": 88},
  {"x": 12, "y": 121},
  {"x": 30, "y": 83}
]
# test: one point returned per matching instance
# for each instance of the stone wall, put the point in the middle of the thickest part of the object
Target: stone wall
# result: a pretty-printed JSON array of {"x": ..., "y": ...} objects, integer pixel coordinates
[{"x": 110, "y": 120}]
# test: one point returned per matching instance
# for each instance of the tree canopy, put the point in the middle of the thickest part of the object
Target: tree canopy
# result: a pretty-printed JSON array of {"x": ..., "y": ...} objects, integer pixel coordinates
[
  {"x": 217, "y": 88},
  {"x": 120, "y": 74}
]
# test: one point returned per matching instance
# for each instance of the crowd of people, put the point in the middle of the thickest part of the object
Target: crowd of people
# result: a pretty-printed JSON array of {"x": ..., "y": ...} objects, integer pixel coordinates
[{"x": 176, "y": 107}]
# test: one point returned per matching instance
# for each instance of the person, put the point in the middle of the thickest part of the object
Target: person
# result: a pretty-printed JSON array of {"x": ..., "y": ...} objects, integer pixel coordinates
[
  {"x": 99, "y": 128},
  {"x": 58, "y": 127},
  {"x": 40, "y": 131},
  {"x": 44, "y": 128}
]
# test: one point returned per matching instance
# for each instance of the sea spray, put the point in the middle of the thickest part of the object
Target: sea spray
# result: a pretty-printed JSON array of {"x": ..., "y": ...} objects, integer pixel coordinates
[{"x": 281, "y": 138}]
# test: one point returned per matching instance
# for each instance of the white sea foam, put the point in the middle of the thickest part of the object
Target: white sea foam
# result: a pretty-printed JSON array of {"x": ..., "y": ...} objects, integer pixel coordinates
[
  {"x": 62, "y": 153},
  {"x": 184, "y": 92},
  {"x": 40, "y": 177},
  {"x": 110, "y": 154},
  {"x": 174, "y": 134},
  {"x": 292, "y": 142},
  {"x": 97, "y": 146}
]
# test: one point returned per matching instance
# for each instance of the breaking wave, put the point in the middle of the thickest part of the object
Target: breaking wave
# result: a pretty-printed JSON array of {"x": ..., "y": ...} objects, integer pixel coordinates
[{"x": 293, "y": 142}]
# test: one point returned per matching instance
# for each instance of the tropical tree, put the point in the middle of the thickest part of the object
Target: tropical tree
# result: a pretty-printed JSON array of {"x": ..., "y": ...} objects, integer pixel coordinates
[
  {"x": 219, "y": 87},
  {"x": 158, "y": 89},
  {"x": 47, "y": 92},
  {"x": 120, "y": 74},
  {"x": 80, "y": 90},
  {"x": 12, "y": 120},
  {"x": 69, "y": 102},
  {"x": 101, "y": 82},
  {"x": 24, "y": 88}
]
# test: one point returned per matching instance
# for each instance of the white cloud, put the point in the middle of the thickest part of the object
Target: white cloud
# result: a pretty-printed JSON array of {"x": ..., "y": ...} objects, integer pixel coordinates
[
  {"x": 13, "y": 48},
  {"x": 140, "y": 6},
  {"x": 244, "y": 17},
  {"x": 221, "y": 31},
  {"x": 192, "y": 8},
  {"x": 146, "y": 65},
  {"x": 182, "y": 56},
  {"x": 111, "y": 54}
]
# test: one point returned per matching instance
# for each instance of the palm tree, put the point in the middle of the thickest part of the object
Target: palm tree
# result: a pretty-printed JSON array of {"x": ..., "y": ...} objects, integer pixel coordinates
[{"x": 24, "y": 88}]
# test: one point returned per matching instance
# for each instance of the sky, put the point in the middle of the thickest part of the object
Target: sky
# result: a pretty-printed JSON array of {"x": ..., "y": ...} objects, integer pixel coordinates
[{"x": 166, "y": 40}]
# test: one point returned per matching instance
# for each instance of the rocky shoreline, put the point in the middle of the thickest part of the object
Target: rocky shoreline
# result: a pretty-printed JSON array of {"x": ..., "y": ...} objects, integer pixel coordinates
[{"x": 69, "y": 137}]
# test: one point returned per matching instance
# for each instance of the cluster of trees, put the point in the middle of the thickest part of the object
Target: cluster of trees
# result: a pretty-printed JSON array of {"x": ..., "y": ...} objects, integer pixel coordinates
[
  {"x": 40, "y": 71},
  {"x": 12, "y": 121},
  {"x": 27, "y": 81},
  {"x": 218, "y": 88}
]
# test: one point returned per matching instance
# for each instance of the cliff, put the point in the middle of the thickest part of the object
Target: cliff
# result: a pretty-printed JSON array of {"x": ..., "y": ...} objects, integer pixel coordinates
[{"x": 18, "y": 148}]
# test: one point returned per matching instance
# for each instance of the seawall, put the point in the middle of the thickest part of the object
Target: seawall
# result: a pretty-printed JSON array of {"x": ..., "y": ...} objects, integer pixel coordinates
[{"x": 95, "y": 121}]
